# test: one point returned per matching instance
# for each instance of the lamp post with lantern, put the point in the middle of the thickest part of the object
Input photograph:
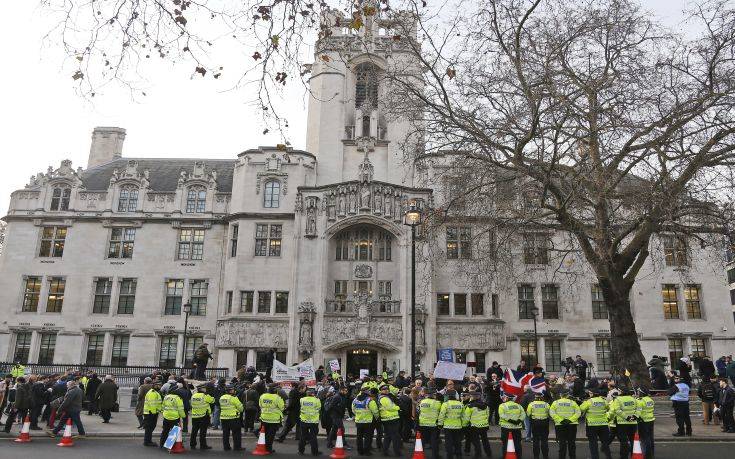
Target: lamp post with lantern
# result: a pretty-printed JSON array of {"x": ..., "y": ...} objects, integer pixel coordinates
[
  {"x": 187, "y": 311},
  {"x": 412, "y": 218}
]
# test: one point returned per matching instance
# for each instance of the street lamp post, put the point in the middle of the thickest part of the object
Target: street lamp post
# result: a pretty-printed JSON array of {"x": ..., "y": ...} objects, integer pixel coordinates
[
  {"x": 187, "y": 311},
  {"x": 412, "y": 218},
  {"x": 534, "y": 313}
]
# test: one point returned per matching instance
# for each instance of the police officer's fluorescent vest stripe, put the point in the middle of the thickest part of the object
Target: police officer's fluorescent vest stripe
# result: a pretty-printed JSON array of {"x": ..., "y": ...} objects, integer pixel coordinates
[
  {"x": 200, "y": 405},
  {"x": 565, "y": 409},
  {"x": 310, "y": 408},
  {"x": 429, "y": 412},
  {"x": 538, "y": 410},
  {"x": 152, "y": 403},
  {"x": 510, "y": 414},
  {"x": 645, "y": 406},
  {"x": 388, "y": 409},
  {"x": 271, "y": 408},
  {"x": 230, "y": 407},
  {"x": 365, "y": 410},
  {"x": 173, "y": 407},
  {"x": 623, "y": 407},
  {"x": 450, "y": 415},
  {"x": 595, "y": 411},
  {"x": 476, "y": 417}
]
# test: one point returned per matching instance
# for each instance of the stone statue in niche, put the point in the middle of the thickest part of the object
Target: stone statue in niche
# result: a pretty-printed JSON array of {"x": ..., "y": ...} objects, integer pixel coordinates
[
  {"x": 389, "y": 205},
  {"x": 311, "y": 221},
  {"x": 365, "y": 197},
  {"x": 306, "y": 333},
  {"x": 353, "y": 201},
  {"x": 420, "y": 323},
  {"x": 378, "y": 203},
  {"x": 331, "y": 212}
]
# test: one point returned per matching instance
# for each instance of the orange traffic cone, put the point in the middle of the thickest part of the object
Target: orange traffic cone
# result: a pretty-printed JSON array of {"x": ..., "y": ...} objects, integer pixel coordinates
[
  {"x": 178, "y": 447},
  {"x": 25, "y": 431},
  {"x": 637, "y": 451},
  {"x": 260, "y": 449},
  {"x": 510, "y": 449},
  {"x": 418, "y": 450},
  {"x": 66, "y": 439},
  {"x": 339, "y": 447}
]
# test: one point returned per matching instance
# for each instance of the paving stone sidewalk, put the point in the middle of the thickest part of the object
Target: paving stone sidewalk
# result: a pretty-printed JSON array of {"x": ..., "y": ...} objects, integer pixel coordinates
[{"x": 124, "y": 424}]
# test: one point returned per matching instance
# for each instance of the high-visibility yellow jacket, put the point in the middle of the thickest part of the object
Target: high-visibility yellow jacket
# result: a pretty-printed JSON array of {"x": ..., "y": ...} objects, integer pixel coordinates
[
  {"x": 153, "y": 402},
  {"x": 201, "y": 405},
  {"x": 511, "y": 415},
  {"x": 565, "y": 409},
  {"x": 230, "y": 407},
  {"x": 173, "y": 407},
  {"x": 271, "y": 408}
]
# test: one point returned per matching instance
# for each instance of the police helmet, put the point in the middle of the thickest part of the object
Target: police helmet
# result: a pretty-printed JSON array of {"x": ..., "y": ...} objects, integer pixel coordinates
[
  {"x": 541, "y": 394},
  {"x": 384, "y": 387},
  {"x": 450, "y": 394}
]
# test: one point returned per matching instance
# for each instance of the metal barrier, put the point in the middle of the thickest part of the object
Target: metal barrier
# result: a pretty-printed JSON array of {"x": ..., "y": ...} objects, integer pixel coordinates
[{"x": 126, "y": 376}]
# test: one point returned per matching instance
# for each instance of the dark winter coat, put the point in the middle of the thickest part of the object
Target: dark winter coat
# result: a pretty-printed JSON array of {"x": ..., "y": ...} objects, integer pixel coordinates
[
  {"x": 106, "y": 395},
  {"x": 38, "y": 394},
  {"x": 72, "y": 400},
  {"x": 92, "y": 385},
  {"x": 23, "y": 396},
  {"x": 726, "y": 397},
  {"x": 142, "y": 390},
  {"x": 706, "y": 369},
  {"x": 707, "y": 391}
]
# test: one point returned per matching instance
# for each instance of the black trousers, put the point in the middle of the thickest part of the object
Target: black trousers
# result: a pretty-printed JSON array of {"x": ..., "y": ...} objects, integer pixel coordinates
[
  {"x": 271, "y": 428},
  {"x": 467, "y": 437},
  {"x": 625, "y": 433},
  {"x": 15, "y": 414},
  {"x": 645, "y": 432},
  {"x": 106, "y": 415},
  {"x": 249, "y": 417},
  {"x": 566, "y": 435},
  {"x": 309, "y": 431},
  {"x": 231, "y": 426},
  {"x": 392, "y": 436},
  {"x": 601, "y": 435},
  {"x": 517, "y": 440},
  {"x": 35, "y": 413},
  {"x": 167, "y": 424},
  {"x": 199, "y": 426},
  {"x": 453, "y": 442},
  {"x": 337, "y": 423},
  {"x": 364, "y": 437},
  {"x": 728, "y": 423},
  {"x": 430, "y": 437},
  {"x": 149, "y": 424},
  {"x": 406, "y": 427},
  {"x": 291, "y": 422},
  {"x": 478, "y": 436},
  {"x": 378, "y": 426},
  {"x": 540, "y": 435},
  {"x": 681, "y": 411}
]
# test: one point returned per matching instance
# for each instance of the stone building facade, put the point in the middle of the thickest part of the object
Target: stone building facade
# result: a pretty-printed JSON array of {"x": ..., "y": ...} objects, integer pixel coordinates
[{"x": 304, "y": 252}]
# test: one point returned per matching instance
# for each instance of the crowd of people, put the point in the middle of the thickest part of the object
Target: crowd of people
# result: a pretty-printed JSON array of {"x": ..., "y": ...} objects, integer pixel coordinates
[
  {"x": 388, "y": 410},
  {"x": 52, "y": 399}
]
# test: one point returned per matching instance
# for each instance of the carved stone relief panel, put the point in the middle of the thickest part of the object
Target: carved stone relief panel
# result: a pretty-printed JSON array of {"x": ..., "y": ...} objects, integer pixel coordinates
[
  {"x": 471, "y": 336},
  {"x": 252, "y": 334}
]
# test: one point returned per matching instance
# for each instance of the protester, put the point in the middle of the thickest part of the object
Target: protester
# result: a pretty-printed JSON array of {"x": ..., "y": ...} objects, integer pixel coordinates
[
  {"x": 22, "y": 405},
  {"x": 106, "y": 398},
  {"x": 725, "y": 403},
  {"x": 71, "y": 407},
  {"x": 139, "y": 406},
  {"x": 202, "y": 356}
]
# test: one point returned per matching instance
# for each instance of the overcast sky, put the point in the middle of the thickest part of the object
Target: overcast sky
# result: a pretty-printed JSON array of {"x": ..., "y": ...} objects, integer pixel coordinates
[{"x": 43, "y": 121}]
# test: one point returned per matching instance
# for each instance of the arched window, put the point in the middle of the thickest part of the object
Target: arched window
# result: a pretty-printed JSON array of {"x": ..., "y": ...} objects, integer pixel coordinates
[
  {"x": 362, "y": 243},
  {"x": 196, "y": 199},
  {"x": 366, "y": 86},
  {"x": 60, "y": 198},
  {"x": 272, "y": 195},
  {"x": 128, "y": 201}
]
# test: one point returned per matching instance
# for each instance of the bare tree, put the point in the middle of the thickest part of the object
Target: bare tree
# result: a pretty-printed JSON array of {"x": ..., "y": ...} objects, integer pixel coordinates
[{"x": 613, "y": 128}]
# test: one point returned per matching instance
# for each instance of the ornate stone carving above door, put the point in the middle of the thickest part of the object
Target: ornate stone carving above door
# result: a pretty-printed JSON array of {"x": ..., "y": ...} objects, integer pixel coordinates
[{"x": 363, "y": 271}]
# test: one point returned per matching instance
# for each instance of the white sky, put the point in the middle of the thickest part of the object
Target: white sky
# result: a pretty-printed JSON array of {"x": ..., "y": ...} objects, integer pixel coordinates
[{"x": 43, "y": 120}]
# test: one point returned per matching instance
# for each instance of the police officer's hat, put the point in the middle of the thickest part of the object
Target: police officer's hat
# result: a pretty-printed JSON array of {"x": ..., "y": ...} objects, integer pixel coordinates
[
  {"x": 508, "y": 396},
  {"x": 564, "y": 392},
  {"x": 229, "y": 387},
  {"x": 310, "y": 390},
  {"x": 384, "y": 387},
  {"x": 643, "y": 392},
  {"x": 450, "y": 393},
  {"x": 541, "y": 394}
]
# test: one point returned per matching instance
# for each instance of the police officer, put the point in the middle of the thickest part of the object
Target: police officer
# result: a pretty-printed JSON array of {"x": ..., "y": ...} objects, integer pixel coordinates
[
  {"x": 309, "y": 409},
  {"x": 18, "y": 370},
  {"x": 625, "y": 410},
  {"x": 201, "y": 409},
  {"x": 477, "y": 416},
  {"x": 389, "y": 418},
  {"x": 538, "y": 414},
  {"x": 366, "y": 411},
  {"x": 428, "y": 415},
  {"x": 511, "y": 417},
  {"x": 595, "y": 410},
  {"x": 646, "y": 419},
  {"x": 230, "y": 409},
  {"x": 565, "y": 413},
  {"x": 173, "y": 413},
  {"x": 271, "y": 414},
  {"x": 451, "y": 420},
  {"x": 151, "y": 407}
]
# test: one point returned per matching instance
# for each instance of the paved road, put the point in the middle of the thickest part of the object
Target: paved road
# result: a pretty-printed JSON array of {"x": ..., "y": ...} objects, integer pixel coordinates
[{"x": 109, "y": 448}]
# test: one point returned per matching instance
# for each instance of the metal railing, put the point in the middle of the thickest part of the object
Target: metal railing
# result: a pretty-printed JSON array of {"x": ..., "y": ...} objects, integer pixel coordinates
[{"x": 126, "y": 376}]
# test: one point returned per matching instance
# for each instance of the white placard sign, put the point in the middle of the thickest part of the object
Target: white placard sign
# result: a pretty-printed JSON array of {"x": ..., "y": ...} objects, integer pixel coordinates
[{"x": 450, "y": 370}]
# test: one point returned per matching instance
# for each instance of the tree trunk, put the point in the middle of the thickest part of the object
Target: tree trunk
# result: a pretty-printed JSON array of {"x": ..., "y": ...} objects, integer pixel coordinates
[{"x": 626, "y": 350}]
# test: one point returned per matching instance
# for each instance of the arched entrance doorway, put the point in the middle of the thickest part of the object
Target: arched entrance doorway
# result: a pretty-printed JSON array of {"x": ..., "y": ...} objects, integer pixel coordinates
[{"x": 360, "y": 360}]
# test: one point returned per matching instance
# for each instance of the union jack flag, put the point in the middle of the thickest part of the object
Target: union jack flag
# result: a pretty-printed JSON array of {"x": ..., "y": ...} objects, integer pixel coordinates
[{"x": 514, "y": 382}]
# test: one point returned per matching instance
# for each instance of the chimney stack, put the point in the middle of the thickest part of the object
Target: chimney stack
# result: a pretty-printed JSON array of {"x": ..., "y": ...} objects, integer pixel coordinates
[{"x": 107, "y": 143}]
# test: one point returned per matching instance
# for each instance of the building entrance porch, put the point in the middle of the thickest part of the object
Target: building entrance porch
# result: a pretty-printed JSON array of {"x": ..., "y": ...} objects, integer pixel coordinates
[{"x": 362, "y": 359}]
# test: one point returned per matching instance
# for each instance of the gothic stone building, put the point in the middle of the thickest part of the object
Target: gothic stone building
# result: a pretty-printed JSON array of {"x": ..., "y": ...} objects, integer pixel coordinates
[{"x": 302, "y": 251}]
